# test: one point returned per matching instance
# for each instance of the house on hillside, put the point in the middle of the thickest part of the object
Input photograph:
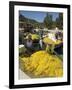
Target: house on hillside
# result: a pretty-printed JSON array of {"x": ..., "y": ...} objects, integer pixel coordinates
[{"x": 25, "y": 27}]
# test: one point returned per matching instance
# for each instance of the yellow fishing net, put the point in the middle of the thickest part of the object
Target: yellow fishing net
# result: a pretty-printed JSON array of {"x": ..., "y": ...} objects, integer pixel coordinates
[{"x": 42, "y": 64}]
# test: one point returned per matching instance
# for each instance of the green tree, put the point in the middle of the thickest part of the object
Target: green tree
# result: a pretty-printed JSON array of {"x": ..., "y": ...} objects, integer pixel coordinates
[
  {"x": 48, "y": 21},
  {"x": 59, "y": 21},
  {"x": 54, "y": 24}
]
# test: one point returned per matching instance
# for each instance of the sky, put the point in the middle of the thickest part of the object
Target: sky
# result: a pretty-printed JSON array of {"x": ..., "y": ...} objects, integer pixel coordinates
[{"x": 38, "y": 16}]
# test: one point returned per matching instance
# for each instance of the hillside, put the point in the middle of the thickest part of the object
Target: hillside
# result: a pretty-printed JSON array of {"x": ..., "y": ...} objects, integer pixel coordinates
[{"x": 34, "y": 23}]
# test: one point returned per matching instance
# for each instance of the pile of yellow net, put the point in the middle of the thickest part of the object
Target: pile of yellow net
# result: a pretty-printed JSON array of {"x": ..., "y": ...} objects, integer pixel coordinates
[
  {"x": 42, "y": 64},
  {"x": 34, "y": 36},
  {"x": 49, "y": 41}
]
